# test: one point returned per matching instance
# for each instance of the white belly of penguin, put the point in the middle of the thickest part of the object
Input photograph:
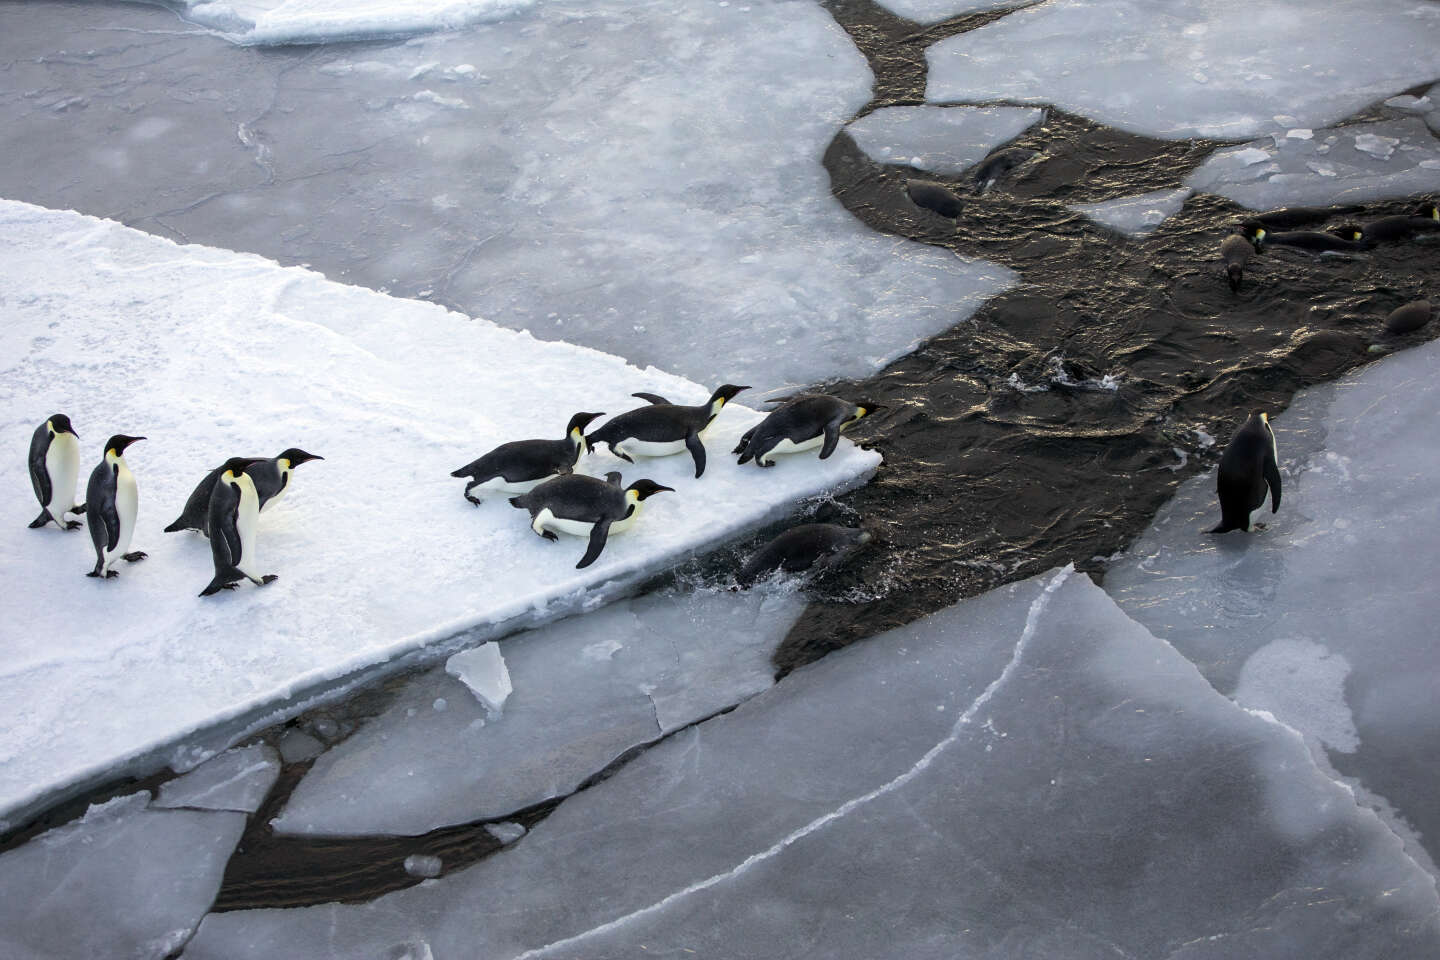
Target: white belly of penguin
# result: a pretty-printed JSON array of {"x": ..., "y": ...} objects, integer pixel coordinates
[
  {"x": 501, "y": 485},
  {"x": 279, "y": 494},
  {"x": 545, "y": 520},
  {"x": 62, "y": 463},
  {"x": 789, "y": 446},
  {"x": 247, "y": 519},
  {"x": 127, "y": 505},
  {"x": 650, "y": 448}
]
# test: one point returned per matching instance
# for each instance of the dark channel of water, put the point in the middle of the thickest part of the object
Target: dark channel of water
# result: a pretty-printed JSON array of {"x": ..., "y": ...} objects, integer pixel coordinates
[{"x": 982, "y": 483}]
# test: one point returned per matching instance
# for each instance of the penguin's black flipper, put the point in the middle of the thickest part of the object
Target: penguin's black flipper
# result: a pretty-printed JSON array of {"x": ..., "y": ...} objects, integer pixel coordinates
[
  {"x": 697, "y": 451},
  {"x": 1272, "y": 477},
  {"x": 744, "y": 442},
  {"x": 598, "y": 533},
  {"x": 111, "y": 517},
  {"x": 518, "y": 502},
  {"x": 39, "y": 476},
  {"x": 650, "y": 397},
  {"x": 231, "y": 535},
  {"x": 41, "y": 520},
  {"x": 832, "y": 439}
]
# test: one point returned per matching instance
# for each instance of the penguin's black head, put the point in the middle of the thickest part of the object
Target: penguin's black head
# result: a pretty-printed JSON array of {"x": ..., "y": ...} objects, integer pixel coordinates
[
  {"x": 1430, "y": 210},
  {"x": 1349, "y": 231},
  {"x": 580, "y": 421},
  {"x": 296, "y": 456},
  {"x": 1254, "y": 231},
  {"x": 726, "y": 393},
  {"x": 238, "y": 465},
  {"x": 118, "y": 443},
  {"x": 1260, "y": 415},
  {"x": 61, "y": 424},
  {"x": 865, "y": 408},
  {"x": 647, "y": 488}
]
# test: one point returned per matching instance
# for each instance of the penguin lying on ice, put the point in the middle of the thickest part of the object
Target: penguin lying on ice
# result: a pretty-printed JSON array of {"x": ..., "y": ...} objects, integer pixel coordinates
[
  {"x": 585, "y": 506},
  {"x": 1247, "y": 467},
  {"x": 54, "y": 467},
  {"x": 810, "y": 545},
  {"x": 663, "y": 428},
  {"x": 801, "y": 423},
  {"x": 271, "y": 478},
  {"x": 521, "y": 465},
  {"x": 111, "y": 502},
  {"x": 232, "y": 517}
]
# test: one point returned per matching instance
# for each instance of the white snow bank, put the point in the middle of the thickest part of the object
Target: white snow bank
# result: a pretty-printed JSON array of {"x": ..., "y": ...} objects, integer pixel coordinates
[
  {"x": 943, "y": 140},
  {"x": 211, "y": 354},
  {"x": 321, "y": 21},
  {"x": 1183, "y": 68},
  {"x": 1136, "y": 215},
  {"x": 1030, "y": 773}
]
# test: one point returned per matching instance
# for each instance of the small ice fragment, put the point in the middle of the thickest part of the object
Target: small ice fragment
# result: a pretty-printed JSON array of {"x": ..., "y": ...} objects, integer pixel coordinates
[
  {"x": 440, "y": 705},
  {"x": 602, "y": 650},
  {"x": 430, "y": 96},
  {"x": 421, "y": 70},
  {"x": 1429, "y": 164},
  {"x": 1376, "y": 145},
  {"x": 1300, "y": 133},
  {"x": 483, "y": 670},
  {"x": 297, "y": 745},
  {"x": 1324, "y": 169},
  {"x": 1250, "y": 155},
  {"x": 423, "y": 865},
  {"x": 506, "y": 832},
  {"x": 1410, "y": 104}
]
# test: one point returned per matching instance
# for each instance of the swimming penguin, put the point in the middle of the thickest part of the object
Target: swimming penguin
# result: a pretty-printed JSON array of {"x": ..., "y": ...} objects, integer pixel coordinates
[
  {"x": 54, "y": 467},
  {"x": 800, "y": 548},
  {"x": 272, "y": 482},
  {"x": 1314, "y": 241},
  {"x": 935, "y": 197},
  {"x": 1292, "y": 217},
  {"x": 232, "y": 516},
  {"x": 1247, "y": 466},
  {"x": 585, "y": 506},
  {"x": 663, "y": 428},
  {"x": 1235, "y": 251},
  {"x": 111, "y": 502},
  {"x": 801, "y": 423},
  {"x": 997, "y": 165},
  {"x": 1409, "y": 318},
  {"x": 521, "y": 465},
  {"x": 1426, "y": 219}
]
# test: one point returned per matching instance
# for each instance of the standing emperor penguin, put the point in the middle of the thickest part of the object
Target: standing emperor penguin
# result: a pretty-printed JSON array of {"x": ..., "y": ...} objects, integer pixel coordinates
[
  {"x": 233, "y": 515},
  {"x": 801, "y": 423},
  {"x": 522, "y": 465},
  {"x": 54, "y": 467},
  {"x": 1248, "y": 465},
  {"x": 111, "y": 502},
  {"x": 663, "y": 427},
  {"x": 272, "y": 482}
]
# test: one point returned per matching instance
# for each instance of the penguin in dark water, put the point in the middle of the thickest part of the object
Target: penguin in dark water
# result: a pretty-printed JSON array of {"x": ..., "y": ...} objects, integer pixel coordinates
[
  {"x": 935, "y": 197},
  {"x": 1291, "y": 217},
  {"x": 585, "y": 506},
  {"x": 1409, "y": 318},
  {"x": 1235, "y": 251},
  {"x": 1248, "y": 465},
  {"x": 1426, "y": 219},
  {"x": 232, "y": 517},
  {"x": 521, "y": 465},
  {"x": 1312, "y": 240},
  {"x": 54, "y": 468},
  {"x": 663, "y": 428},
  {"x": 801, "y": 423},
  {"x": 806, "y": 546},
  {"x": 111, "y": 502},
  {"x": 272, "y": 482},
  {"x": 997, "y": 165}
]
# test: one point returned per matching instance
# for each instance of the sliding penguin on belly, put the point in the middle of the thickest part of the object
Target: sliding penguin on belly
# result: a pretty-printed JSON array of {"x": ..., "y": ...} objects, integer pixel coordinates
[
  {"x": 1247, "y": 467},
  {"x": 801, "y": 423},
  {"x": 663, "y": 428},
  {"x": 233, "y": 515},
  {"x": 54, "y": 467},
  {"x": 585, "y": 507},
  {"x": 111, "y": 502},
  {"x": 522, "y": 465},
  {"x": 272, "y": 482}
]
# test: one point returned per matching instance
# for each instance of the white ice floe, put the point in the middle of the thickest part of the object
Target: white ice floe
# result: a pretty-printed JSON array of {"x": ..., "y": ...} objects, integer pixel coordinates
[
  {"x": 483, "y": 670},
  {"x": 933, "y": 11},
  {"x": 943, "y": 140},
  {"x": 1030, "y": 773},
  {"x": 235, "y": 780},
  {"x": 322, "y": 21},
  {"x": 1327, "y": 617},
  {"x": 1136, "y": 215},
  {"x": 1184, "y": 68},
  {"x": 1356, "y": 163},
  {"x": 121, "y": 881},
  {"x": 210, "y": 354},
  {"x": 669, "y": 659}
]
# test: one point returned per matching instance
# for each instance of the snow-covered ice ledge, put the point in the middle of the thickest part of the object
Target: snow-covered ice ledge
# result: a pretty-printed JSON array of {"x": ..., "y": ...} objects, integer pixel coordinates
[{"x": 211, "y": 353}]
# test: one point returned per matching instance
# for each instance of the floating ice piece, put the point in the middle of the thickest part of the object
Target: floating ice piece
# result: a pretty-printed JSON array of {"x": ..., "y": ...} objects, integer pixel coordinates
[
  {"x": 1137, "y": 215},
  {"x": 943, "y": 140},
  {"x": 1026, "y": 774},
  {"x": 387, "y": 391},
  {"x": 421, "y": 865},
  {"x": 1407, "y": 103},
  {"x": 933, "y": 11},
  {"x": 673, "y": 658},
  {"x": 505, "y": 832},
  {"x": 122, "y": 881},
  {"x": 483, "y": 671},
  {"x": 1340, "y": 583},
  {"x": 273, "y": 22},
  {"x": 235, "y": 780},
  {"x": 1132, "y": 63},
  {"x": 1361, "y": 165}
]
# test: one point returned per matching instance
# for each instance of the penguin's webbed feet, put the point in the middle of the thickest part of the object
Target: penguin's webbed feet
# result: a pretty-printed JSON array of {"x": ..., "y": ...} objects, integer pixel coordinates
[
  {"x": 549, "y": 535},
  {"x": 111, "y": 574},
  {"x": 766, "y": 465},
  {"x": 269, "y": 578},
  {"x": 135, "y": 557},
  {"x": 41, "y": 520},
  {"x": 93, "y": 573},
  {"x": 473, "y": 499},
  {"x": 73, "y": 524}
]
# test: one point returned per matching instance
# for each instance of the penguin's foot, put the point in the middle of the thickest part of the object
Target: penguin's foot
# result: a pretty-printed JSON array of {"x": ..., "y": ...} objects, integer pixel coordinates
[
  {"x": 135, "y": 557},
  {"x": 549, "y": 535},
  {"x": 73, "y": 524},
  {"x": 41, "y": 520},
  {"x": 269, "y": 578},
  {"x": 93, "y": 573},
  {"x": 765, "y": 464},
  {"x": 111, "y": 574},
  {"x": 473, "y": 499},
  {"x": 623, "y": 456}
]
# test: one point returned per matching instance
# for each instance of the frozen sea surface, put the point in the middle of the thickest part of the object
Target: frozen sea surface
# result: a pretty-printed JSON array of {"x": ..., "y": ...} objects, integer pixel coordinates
[
  {"x": 943, "y": 140},
  {"x": 1187, "y": 68},
  {"x": 320, "y": 21},
  {"x": 211, "y": 354},
  {"x": 933, "y": 11},
  {"x": 1030, "y": 773}
]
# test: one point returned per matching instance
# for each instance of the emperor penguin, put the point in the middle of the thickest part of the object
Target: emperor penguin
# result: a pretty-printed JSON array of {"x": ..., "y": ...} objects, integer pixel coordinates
[
  {"x": 232, "y": 516},
  {"x": 935, "y": 197},
  {"x": 663, "y": 428},
  {"x": 54, "y": 467},
  {"x": 1426, "y": 219},
  {"x": 522, "y": 465},
  {"x": 806, "y": 546},
  {"x": 1313, "y": 240},
  {"x": 1248, "y": 465},
  {"x": 111, "y": 502},
  {"x": 584, "y": 506},
  {"x": 272, "y": 482},
  {"x": 1235, "y": 251},
  {"x": 801, "y": 423}
]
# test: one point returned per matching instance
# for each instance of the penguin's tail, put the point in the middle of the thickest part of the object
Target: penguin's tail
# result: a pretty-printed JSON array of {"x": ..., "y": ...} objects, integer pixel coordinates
[
  {"x": 515, "y": 502},
  {"x": 464, "y": 471},
  {"x": 177, "y": 526}
]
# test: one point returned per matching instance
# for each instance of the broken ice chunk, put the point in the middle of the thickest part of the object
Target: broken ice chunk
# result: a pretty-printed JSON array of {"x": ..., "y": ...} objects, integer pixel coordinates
[
  {"x": 483, "y": 670},
  {"x": 234, "y": 780},
  {"x": 423, "y": 865},
  {"x": 506, "y": 832}
]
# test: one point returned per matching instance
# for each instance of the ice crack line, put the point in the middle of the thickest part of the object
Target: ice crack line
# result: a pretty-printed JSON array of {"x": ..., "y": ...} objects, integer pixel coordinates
[{"x": 1032, "y": 621}]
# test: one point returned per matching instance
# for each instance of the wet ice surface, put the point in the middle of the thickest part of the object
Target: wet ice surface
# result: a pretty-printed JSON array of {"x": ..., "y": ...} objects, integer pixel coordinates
[
  {"x": 943, "y": 140},
  {"x": 1301, "y": 166},
  {"x": 378, "y": 554},
  {"x": 122, "y": 881},
  {"x": 1026, "y": 773},
  {"x": 314, "y": 21},
  {"x": 594, "y": 172},
  {"x": 1327, "y": 617},
  {"x": 1233, "y": 68},
  {"x": 933, "y": 11},
  {"x": 237, "y": 779},
  {"x": 1138, "y": 215},
  {"x": 585, "y": 691}
]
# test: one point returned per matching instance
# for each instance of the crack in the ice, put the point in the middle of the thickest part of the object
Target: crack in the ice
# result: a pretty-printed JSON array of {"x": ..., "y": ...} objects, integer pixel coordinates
[{"x": 1032, "y": 620}]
